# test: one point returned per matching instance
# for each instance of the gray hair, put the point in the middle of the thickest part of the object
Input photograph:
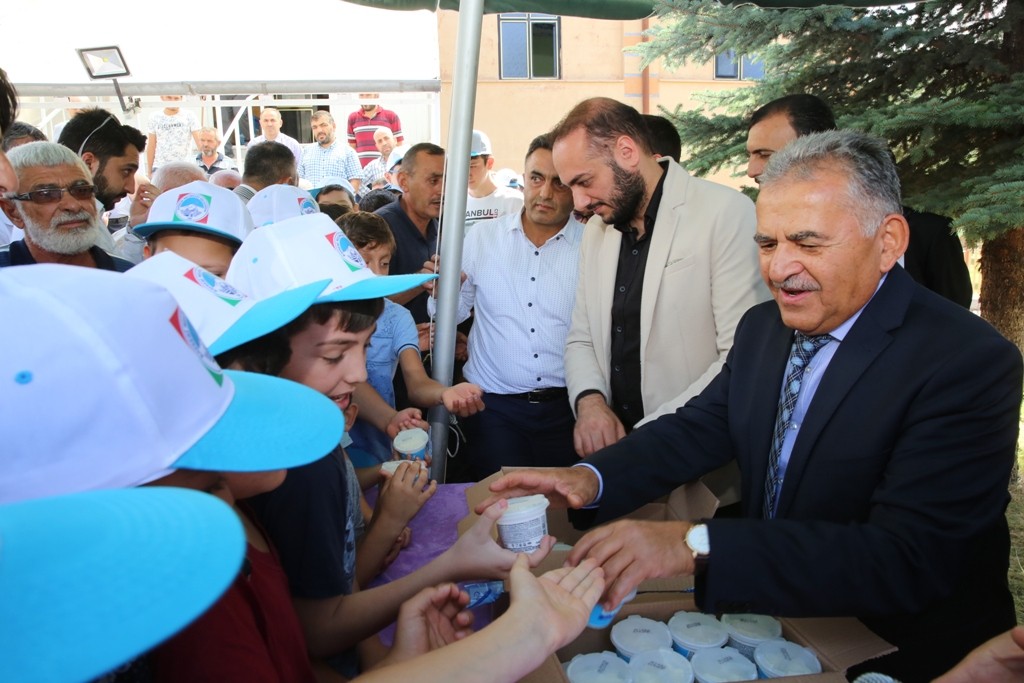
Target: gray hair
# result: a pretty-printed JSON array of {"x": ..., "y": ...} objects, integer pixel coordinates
[
  {"x": 873, "y": 185},
  {"x": 177, "y": 173},
  {"x": 47, "y": 154},
  {"x": 211, "y": 129}
]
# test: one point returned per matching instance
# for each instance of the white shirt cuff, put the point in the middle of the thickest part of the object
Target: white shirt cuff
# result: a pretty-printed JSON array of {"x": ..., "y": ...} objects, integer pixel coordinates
[{"x": 600, "y": 485}]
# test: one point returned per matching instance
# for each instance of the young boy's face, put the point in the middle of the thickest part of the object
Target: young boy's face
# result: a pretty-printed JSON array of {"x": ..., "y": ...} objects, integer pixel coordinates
[
  {"x": 211, "y": 253},
  {"x": 329, "y": 360},
  {"x": 378, "y": 258}
]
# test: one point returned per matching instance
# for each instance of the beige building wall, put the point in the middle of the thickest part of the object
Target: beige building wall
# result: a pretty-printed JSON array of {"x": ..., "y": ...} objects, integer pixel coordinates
[{"x": 593, "y": 63}]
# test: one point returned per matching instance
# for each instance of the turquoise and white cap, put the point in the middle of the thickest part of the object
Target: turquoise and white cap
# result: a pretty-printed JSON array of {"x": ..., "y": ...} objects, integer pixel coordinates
[
  {"x": 199, "y": 207},
  {"x": 308, "y": 249},
  {"x": 277, "y": 203},
  {"x": 91, "y": 580},
  {"x": 109, "y": 385},
  {"x": 223, "y": 316}
]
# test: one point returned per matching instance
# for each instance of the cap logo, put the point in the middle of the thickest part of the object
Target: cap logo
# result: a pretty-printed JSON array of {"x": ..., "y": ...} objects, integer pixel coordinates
[
  {"x": 348, "y": 252},
  {"x": 188, "y": 333},
  {"x": 307, "y": 206},
  {"x": 192, "y": 208},
  {"x": 213, "y": 284}
]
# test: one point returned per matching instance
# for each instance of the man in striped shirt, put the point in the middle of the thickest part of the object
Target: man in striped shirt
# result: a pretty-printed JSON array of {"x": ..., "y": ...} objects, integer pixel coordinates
[{"x": 363, "y": 123}]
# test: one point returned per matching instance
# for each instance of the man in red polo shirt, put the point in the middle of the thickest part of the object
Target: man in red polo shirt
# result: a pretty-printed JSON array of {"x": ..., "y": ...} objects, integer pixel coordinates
[{"x": 363, "y": 122}]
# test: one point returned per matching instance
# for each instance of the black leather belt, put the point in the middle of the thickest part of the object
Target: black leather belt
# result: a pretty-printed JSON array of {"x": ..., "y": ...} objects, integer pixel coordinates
[{"x": 542, "y": 395}]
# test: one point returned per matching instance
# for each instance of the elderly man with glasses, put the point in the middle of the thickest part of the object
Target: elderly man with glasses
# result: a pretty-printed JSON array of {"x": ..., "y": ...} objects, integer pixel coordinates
[{"x": 56, "y": 207}]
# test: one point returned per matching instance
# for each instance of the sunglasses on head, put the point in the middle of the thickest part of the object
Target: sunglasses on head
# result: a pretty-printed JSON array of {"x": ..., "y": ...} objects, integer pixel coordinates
[{"x": 52, "y": 195}]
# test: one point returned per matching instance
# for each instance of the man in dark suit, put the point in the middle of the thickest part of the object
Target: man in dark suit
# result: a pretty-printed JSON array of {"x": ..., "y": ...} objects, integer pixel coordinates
[
  {"x": 874, "y": 471},
  {"x": 934, "y": 256}
]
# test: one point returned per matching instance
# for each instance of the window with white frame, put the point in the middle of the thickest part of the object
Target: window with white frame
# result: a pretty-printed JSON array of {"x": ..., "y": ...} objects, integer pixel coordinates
[
  {"x": 747, "y": 67},
  {"x": 529, "y": 45}
]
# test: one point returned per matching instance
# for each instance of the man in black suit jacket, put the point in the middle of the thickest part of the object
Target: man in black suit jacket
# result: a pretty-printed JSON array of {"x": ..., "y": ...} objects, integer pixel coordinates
[
  {"x": 894, "y": 471},
  {"x": 934, "y": 256}
]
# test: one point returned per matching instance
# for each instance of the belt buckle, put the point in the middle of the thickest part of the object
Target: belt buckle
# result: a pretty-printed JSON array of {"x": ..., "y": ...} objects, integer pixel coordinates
[{"x": 533, "y": 397}]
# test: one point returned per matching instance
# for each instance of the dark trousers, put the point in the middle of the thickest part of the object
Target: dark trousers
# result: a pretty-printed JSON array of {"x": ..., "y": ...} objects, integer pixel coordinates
[{"x": 515, "y": 432}]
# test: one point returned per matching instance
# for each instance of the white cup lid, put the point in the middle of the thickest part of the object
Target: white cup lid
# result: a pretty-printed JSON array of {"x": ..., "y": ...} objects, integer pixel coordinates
[{"x": 636, "y": 634}]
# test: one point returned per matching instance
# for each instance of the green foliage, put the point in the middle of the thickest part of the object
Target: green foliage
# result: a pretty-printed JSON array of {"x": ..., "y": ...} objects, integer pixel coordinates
[{"x": 942, "y": 81}]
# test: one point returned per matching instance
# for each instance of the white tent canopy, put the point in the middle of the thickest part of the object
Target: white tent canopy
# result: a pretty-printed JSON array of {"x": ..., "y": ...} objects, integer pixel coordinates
[{"x": 201, "y": 47}]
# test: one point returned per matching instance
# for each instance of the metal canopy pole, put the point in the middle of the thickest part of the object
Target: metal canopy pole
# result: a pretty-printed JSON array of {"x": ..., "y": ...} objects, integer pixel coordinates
[{"x": 460, "y": 131}]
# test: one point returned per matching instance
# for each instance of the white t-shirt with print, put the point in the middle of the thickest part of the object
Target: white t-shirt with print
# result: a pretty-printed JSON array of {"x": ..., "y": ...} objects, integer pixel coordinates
[{"x": 173, "y": 136}]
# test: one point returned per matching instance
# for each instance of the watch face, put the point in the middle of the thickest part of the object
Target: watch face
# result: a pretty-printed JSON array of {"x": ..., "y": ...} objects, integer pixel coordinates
[{"x": 697, "y": 539}]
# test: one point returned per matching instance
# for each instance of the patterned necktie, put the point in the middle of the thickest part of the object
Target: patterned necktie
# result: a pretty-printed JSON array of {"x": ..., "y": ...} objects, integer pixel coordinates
[{"x": 800, "y": 356}]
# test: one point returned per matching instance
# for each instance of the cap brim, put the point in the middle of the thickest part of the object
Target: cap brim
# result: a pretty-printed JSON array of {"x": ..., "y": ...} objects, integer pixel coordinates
[
  {"x": 146, "y": 230},
  {"x": 268, "y": 315},
  {"x": 271, "y": 424},
  {"x": 92, "y": 580},
  {"x": 374, "y": 287}
]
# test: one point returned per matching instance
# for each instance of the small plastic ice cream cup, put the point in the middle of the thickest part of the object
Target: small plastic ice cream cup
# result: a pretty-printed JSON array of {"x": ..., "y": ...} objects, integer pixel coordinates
[
  {"x": 636, "y": 634},
  {"x": 721, "y": 664},
  {"x": 598, "y": 667},
  {"x": 777, "y": 658},
  {"x": 412, "y": 444},
  {"x": 392, "y": 465},
  {"x": 660, "y": 666},
  {"x": 524, "y": 524},
  {"x": 747, "y": 631},
  {"x": 692, "y": 631},
  {"x": 601, "y": 617}
]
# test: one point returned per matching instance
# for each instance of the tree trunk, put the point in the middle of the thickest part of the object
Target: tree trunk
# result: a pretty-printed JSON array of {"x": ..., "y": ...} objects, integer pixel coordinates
[{"x": 1002, "y": 284}]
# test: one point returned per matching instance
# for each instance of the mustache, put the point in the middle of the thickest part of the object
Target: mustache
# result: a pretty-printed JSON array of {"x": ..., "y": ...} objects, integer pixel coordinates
[
  {"x": 70, "y": 217},
  {"x": 796, "y": 283}
]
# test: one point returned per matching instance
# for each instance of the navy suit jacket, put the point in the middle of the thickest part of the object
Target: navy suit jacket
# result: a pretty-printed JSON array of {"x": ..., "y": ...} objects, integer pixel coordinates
[{"x": 892, "y": 509}]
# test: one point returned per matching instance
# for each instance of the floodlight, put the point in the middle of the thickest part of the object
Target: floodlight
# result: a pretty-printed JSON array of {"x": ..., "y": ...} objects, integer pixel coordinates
[
  {"x": 104, "y": 62},
  {"x": 108, "y": 62}
]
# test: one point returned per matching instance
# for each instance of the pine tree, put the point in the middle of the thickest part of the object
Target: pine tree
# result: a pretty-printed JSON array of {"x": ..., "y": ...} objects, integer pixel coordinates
[{"x": 942, "y": 81}]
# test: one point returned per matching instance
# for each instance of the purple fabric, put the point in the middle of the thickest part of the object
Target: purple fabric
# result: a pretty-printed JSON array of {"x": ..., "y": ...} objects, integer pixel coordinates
[{"x": 434, "y": 530}]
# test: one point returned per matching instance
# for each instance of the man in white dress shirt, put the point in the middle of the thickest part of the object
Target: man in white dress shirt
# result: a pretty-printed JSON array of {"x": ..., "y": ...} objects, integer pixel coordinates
[{"x": 521, "y": 272}]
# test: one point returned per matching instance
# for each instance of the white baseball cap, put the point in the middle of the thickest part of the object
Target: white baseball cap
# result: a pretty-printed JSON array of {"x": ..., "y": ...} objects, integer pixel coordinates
[
  {"x": 481, "y": 144},
  {"x": 108, "y": 385},
  {"x": 308, "y": 249},
  {"x": 397, "y": 154},
  {"x": 336, "y": 181},
  {"x": 223, "y": 316},
  {"x": 199, "y": 207},
  {"x": 279, "y": 202},
  {"x": 91, "y": 580}
]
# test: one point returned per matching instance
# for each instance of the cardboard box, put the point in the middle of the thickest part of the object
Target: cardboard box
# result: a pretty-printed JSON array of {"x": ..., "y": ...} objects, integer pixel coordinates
[
  {"x": 689, "y": 501},
  {"x": 839, "y": 642}
]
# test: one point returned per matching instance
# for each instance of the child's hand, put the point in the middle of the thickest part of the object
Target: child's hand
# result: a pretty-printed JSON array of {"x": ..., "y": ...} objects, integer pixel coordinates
[
  {"x": 463, "y": 399},
  {"x": 403, "y": 494},
  {"x": 476, "y": 555},
  {"x": 461, "y": 346},
  {"x": 559, "y": 602},
  {"x": 409, "y": 418},
  {"x": 431, "y": 619},
  {"x": 425, "y": 335}
]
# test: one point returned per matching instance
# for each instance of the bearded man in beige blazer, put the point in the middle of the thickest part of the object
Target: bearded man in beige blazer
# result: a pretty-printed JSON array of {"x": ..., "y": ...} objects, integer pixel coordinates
[{"x": 668, "y": 265}]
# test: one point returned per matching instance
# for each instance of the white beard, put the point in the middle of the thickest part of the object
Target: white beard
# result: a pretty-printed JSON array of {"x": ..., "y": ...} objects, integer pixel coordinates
[{"x": 64, "y": 241}]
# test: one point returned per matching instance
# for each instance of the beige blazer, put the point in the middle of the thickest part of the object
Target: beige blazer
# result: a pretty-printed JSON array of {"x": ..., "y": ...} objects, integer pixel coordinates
[{"x": 702, "y": 274}]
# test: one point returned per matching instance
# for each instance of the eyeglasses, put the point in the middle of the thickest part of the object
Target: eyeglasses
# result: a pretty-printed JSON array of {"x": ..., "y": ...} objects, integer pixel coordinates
[
  {"x": 81, "y": 148},
  {"x": 52, "y": 195}
]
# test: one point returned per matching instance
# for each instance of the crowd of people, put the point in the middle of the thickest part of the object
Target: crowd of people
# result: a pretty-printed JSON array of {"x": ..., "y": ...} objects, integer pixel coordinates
[{"x": 229, "y": 357}]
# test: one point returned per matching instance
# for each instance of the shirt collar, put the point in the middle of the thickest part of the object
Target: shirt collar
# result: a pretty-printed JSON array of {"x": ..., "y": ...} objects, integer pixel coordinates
[{"x": 517, "y": 225}]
